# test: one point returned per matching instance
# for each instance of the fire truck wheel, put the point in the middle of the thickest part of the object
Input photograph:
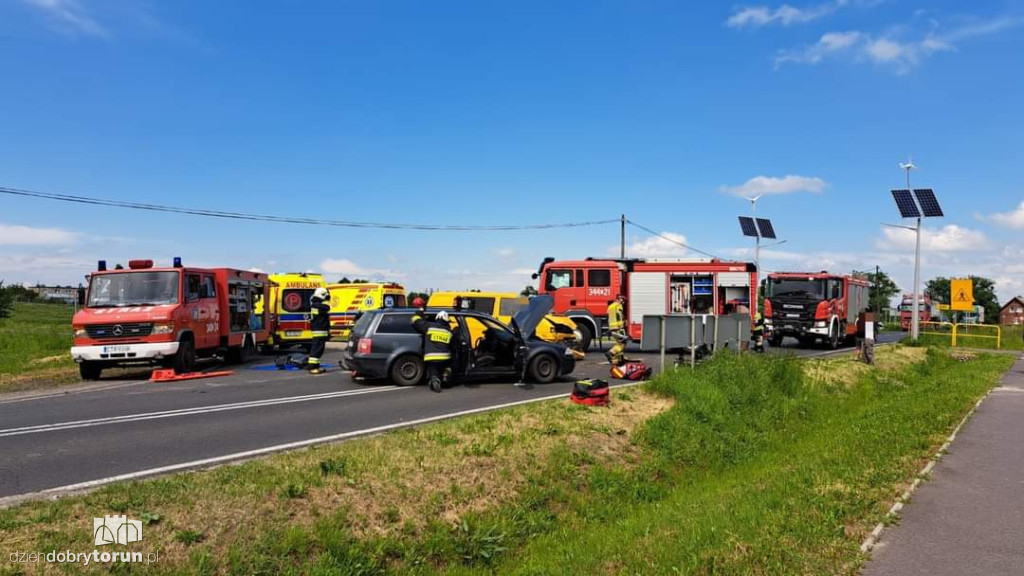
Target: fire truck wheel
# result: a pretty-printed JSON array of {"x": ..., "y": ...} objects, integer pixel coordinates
[
  {"x": 90, "y": 370},
  {"x": 243, "y": 353},
  {"x": 776, "y": 340},
  {"x": 185, "y": 359},
  {"x": 543, "y": 369},
  {"x": 586, "y": 335},
  {"x": 833, "y": 336},
  {"x": 407, "y": 370}
]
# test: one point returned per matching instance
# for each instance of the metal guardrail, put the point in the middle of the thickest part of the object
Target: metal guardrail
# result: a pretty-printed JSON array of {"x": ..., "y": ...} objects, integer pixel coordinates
[{"x": 957, "y": 332}]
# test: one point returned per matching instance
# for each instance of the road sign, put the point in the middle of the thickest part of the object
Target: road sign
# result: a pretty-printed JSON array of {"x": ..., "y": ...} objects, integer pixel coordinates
[{"x": 961, "y": 294}]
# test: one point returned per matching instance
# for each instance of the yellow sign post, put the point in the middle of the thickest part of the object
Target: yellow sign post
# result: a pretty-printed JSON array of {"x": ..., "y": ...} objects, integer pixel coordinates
[{"x": 961, "y": 294}]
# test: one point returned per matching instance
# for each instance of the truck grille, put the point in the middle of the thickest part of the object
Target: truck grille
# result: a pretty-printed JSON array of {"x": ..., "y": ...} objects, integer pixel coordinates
[{"x": 126, "y": 330}]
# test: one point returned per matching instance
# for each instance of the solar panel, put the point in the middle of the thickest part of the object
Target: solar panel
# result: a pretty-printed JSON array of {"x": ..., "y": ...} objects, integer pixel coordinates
[
  {"x": 905, "y": 202},
  {"x": 747, "y": 224},
  {"x": 764, "y": 226},
  {"x": 929, "y": 204}
]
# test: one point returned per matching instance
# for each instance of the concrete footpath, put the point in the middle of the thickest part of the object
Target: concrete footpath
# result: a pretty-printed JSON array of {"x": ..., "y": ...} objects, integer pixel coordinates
[{"x": 969, "y": 518}]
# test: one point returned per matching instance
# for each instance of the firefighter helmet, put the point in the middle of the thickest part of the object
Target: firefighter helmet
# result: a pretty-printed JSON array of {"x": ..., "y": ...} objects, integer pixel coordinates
[
  {"x": 442, "y": 316},
  {"x": 321, "y": 293}
]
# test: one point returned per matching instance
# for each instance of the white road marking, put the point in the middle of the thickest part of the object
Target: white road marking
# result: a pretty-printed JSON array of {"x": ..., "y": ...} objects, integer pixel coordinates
[
  {"x": 188, "y": 411},
  {"x": 206, "y": 462}
]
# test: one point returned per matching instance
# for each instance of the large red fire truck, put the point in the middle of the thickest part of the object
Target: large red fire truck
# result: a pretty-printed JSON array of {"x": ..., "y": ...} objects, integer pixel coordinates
[
  {"x": 168, "y": 316},
  {"x": 924, "y": 310},
  {"x": 811, "y": 306},
  {"x": 582, "y": 289}
]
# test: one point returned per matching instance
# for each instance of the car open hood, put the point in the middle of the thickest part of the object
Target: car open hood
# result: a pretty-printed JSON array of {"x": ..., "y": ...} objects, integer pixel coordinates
[{"x": 527, "y": 319}]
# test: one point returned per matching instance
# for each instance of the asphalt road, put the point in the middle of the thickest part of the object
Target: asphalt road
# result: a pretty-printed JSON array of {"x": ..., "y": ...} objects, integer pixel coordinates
[
  {"x": 119, "y": 429},
  {"x": 969, "y": 518}
]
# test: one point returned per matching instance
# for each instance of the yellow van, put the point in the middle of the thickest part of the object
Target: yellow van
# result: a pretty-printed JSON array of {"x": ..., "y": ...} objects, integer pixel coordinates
[
  {"x": 348, "y": 300},
  {"x": 505, "y": 305},
  {"x": 289, "y": 308}
]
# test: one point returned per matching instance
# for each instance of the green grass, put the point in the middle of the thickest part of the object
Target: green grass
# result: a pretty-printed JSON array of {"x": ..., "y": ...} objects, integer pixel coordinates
[
  {"x": 34, "y": 337},
  {"x": 757, "y": 466}
]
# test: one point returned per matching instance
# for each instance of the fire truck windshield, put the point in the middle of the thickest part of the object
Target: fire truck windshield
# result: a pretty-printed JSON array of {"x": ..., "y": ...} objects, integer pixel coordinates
[
  {"x": 813, "y": 289},
  {"x": 133, "y": 289}
]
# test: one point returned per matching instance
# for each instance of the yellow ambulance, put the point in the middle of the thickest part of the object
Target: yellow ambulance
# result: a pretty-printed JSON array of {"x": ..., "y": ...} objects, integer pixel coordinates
[
  {"x": 348, "y": 300},
  {"x": 289, "y": 308},
  {"x": 505, "y": 305}
]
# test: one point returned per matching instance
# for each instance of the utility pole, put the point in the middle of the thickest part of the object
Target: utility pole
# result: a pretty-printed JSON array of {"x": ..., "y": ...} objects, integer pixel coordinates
[{"x": 622, "y": 238}]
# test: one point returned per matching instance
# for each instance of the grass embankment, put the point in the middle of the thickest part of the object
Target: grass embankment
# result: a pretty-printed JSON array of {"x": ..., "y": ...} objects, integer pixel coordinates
[
  {"x": 749, "y": 464},
  {"x": 35, "y": 342}
]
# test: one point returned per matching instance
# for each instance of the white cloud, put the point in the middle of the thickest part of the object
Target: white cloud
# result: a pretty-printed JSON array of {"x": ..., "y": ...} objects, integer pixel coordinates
[
  {"x": 773, "y": 185},
  {"x": 346, "y": 267},
  {"x": 666, "y": 245},
  {"x": 949, "y": 238},
  {"x": 505, "y": 252},
  {"x": 70, "y": 15},
  {"x": 785, "y": 15},
  {"x": 14, "y": 235},
  {"x": 828, "y": 44},
  {"x": 1011, "y": 219}
]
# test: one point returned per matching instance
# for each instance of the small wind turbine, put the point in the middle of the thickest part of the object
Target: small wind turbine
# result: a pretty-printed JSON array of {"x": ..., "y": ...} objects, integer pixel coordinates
[
  {"x": 908, "y": 167},
  {"x": 753, "y": 202}
]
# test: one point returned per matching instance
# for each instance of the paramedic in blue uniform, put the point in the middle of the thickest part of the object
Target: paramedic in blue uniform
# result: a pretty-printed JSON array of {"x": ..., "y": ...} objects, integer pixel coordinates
[{"x": 320, "y": 325}]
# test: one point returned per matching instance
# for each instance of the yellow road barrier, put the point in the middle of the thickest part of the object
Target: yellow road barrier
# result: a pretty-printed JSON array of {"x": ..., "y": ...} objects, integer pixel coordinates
[{"x": 960, "y": 331}]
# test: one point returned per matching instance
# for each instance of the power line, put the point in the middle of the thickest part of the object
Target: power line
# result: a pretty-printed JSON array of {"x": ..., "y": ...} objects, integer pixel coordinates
[
  {"x": 672, "y": 240},
  {"x": 287, "y": 219}
]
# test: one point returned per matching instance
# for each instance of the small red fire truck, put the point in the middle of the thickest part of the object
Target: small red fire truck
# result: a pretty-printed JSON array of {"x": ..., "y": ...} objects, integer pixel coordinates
[{"x": 168, "y": 316}]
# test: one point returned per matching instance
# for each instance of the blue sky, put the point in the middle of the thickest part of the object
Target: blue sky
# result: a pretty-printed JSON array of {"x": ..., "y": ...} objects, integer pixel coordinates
[{"x": 509, "y": 113}]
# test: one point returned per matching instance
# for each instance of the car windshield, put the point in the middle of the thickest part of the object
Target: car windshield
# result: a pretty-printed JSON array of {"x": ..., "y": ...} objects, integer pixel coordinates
[
  {"x": 133, "y": 289},
  {"x": 794, "y": 287}
]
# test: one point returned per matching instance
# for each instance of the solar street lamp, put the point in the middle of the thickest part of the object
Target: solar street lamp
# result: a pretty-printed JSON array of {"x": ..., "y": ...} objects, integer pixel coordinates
[
  {"x": 757, "y": 228},
  {"x": 920, "y": 204}
]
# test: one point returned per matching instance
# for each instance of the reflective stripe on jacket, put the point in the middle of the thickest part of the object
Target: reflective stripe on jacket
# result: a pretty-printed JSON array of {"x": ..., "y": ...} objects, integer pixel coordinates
[{"x": 320, "y": 319}]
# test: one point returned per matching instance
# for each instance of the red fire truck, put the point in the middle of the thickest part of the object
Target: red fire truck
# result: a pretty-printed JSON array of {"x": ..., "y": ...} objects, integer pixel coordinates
[
  {"x": 924, "y": 310},
  {"x": 582, "y": 289},
  {"x": 168, "y": 316},
  {"x": 811, "y": 306}
]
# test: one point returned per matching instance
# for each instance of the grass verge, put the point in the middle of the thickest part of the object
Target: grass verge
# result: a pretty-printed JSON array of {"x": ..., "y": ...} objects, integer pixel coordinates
[
  {"x": 749, "y": 464},
  {"x": 36, "y": 341},
  {"x": 981, "y": 337}
]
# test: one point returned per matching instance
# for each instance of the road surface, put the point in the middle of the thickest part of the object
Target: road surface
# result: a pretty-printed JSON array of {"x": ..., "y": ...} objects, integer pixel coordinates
[{"x": 81, "y": 437}]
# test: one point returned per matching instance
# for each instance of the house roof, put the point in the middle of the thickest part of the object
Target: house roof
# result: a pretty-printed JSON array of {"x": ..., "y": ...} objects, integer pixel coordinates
[{"x": 1017, "y": 299}]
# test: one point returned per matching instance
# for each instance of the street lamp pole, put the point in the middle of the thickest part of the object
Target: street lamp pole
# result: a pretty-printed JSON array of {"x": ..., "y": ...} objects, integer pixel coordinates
[{"x": 915, "y": 320}]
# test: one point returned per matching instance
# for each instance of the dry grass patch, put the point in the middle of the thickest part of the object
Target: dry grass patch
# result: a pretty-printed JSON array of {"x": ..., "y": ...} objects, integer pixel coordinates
[
  {"x": 846, "y": 370},
  {"x": 392, "y": 484}
]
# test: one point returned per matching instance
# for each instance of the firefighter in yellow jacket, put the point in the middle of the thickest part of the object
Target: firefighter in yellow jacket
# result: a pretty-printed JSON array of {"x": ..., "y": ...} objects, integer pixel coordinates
[
  {"x": 320, "y": 325},
  {"x": 617, "y": 327},
  {"x": 437, "y": 346}
]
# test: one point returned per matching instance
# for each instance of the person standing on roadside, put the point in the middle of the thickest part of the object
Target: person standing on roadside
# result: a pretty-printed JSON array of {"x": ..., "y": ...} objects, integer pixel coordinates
[
  {"x": 617, "y": 328},
  {"x": 320, "y": 326}
]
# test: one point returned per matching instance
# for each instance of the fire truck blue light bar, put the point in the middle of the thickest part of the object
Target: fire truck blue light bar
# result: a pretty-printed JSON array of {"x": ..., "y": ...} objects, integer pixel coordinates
[
  {"x": 905, "y": 202},
  {"x": 929, "y": 204},
  {"x": 764, "y": 226},
  {"x": 747, "y": 225}
]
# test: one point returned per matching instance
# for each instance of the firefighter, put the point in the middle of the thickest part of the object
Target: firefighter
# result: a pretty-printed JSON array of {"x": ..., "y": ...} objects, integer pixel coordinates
[
  {"x": 617, "y": 327},
  {"x": 757, "y": 333},
  {"x": 320, "y": 326},
  {"x": 437, "y": 346}
]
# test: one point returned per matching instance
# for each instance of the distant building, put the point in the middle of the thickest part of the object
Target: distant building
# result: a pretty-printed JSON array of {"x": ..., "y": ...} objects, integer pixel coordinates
[
  {"x": 63, "y": 293},
  {"x": 1012, "y": 313}
]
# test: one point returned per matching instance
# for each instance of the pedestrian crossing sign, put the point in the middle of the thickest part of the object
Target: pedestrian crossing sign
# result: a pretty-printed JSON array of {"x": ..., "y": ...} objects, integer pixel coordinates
[{"x": 961, "y": 294}]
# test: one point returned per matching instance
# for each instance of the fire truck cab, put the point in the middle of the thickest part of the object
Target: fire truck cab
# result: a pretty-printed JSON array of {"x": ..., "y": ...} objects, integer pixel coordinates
[
  {"x": 582, "y": 289},
  {"x": 811, "y": 306},
  {"x": 167, "y": 316}
]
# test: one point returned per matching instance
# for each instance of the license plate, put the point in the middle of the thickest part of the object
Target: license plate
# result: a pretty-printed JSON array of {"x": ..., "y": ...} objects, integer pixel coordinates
[
  {"x": 293, "y": 333},
  {"x": 792, "y": 315},
  {"x": 115, "y": 349}
]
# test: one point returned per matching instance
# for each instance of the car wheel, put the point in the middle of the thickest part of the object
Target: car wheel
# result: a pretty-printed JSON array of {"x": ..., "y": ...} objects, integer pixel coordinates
[
  {"x": 586, "y": 335},
  {"x": 407, "y": 370},
  {"x": 543, "y": 369},
  {"x": 185, "y": 359},
  {"x": 90, "y": 370},
  {"x": 776, "y": 341}
]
